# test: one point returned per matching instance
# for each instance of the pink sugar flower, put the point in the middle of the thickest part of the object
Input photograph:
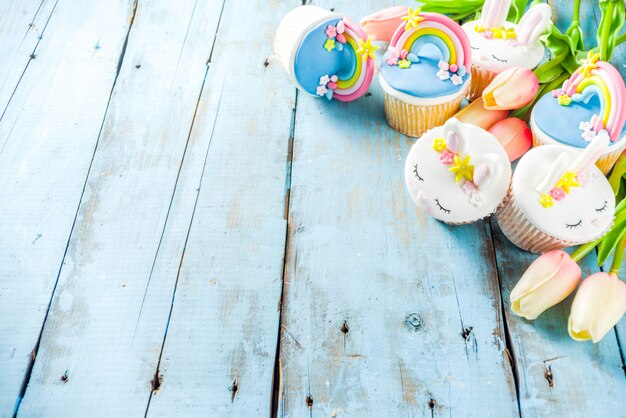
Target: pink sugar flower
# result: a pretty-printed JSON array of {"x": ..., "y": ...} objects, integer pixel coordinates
[
  {"x": 331, "y": 31},
  {"x": 447, "y": 157},
  {"x": 557, "y": 193},
  {"x": 443, "y": 66},
  {"x": 488, "y": 34},
  {"x": 392, "y": 61}
]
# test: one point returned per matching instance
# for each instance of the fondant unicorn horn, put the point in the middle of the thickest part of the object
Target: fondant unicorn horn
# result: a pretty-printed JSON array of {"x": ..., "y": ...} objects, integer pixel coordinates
[
  {"x": 494, "y": 13},
  {"x": 554, "y": 174},
  {"x": 590, "y": 154},
  {"x": 533, "y": 23}
]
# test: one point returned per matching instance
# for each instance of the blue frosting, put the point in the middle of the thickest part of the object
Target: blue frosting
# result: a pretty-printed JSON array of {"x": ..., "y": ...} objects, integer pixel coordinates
[
  {"x": 561, "y": 122},
  {"x": 313, "y": 60},
  {"x": 420, "y": 80}
]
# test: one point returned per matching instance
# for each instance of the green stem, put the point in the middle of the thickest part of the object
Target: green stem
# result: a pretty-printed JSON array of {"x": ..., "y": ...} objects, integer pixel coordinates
[
  {"x": 606, "y": 29},
  {"x": 620, "y": 39},
  {"x": 584, "y": 249},
  {"x": 618, "y": 257},
  {"x": 576, "y": 12}
]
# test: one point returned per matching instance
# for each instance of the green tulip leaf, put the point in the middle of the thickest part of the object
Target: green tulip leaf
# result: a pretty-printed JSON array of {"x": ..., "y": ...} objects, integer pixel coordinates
[
  {"x": 619, "y": 169},
  {"x": 610, "y": 240}
]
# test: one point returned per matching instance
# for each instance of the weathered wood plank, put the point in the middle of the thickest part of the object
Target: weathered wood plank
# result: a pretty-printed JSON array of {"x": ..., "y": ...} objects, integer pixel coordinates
[
  {"x": 556, "y": 374},
  {"x": 22, "y": 24},
  {"x": 47, "y": 139},
  {"x": 386, "y": 312},
  {"x": 220, "y": 347},
  {"x": 108, "y": 316}
]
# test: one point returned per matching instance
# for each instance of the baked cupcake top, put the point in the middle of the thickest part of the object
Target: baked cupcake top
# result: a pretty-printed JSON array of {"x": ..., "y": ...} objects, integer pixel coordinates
[
  {"x": 429, "y": 56},
  {"x": 591, "y": 103},
  {"x": 334, "y": 59},
  {"x": 458, "y": 172},
  {"x": 498, "y": 44},
  {"x": 563, "y": 193}
]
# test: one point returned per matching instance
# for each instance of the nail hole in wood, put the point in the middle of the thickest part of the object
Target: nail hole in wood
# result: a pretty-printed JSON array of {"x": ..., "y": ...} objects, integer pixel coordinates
[
  {"x": 65, "y": 377},
  {"x": 368, "y": 94},
  {"x": 431, "y": 403},
  {"x": 413, "y": 321},
  {"x": 345, "y": 328},
  {"x": 467, "y": 332},
  {"x": 309, "y": 401},
  {"x": 549, "y": 377},
  {"x": 156, "y": 381},
  {"x": 266, "y": 63},
  {"x": 138, "y": 66},
  {"x": 233, "y": 390}
]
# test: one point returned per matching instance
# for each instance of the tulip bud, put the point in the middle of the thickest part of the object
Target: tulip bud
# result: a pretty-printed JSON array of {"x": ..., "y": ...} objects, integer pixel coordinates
[
  {"x": 598, "y": 305},
  {"x": 514, "y": 135},
  {"x": 476, "y": 114},
  {"x": 512, "y": 89},
  {"x": 548, "y": 280},
  {"x": 380, "y": 26}
]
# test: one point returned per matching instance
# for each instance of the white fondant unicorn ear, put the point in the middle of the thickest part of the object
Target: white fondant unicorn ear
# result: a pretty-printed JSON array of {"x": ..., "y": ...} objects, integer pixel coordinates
[
  {"x": 453, "y": 133},
  {"x": 533, "y": 23},
  {"x": 488, "y": 170},
  {"x": 494, "y": 13},
  {"x": 554, "y": 174},
  {"x": 590, "y": 154}
]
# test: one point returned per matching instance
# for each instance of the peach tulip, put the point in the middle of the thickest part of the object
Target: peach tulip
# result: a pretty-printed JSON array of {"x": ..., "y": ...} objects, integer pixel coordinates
[
  {"x": 548, "y": 280},
  {"x": 598, "y": 305},
  {"x": 476, "y": 114},
  {"x": 512, "y": 89},
  {"x": 514, "y": 135},
  {"x": 380, "y": 26}
]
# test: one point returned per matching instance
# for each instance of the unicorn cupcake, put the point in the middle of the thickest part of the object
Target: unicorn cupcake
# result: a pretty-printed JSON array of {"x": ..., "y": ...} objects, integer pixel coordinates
[
  {"x": 458, "y": 173},
  {"x": 498, "y": 45},
  {"x": 425, "y": 72},
  {"x": 590, "y": 104},
  {"x": 559, "y": 198},
  {"x": 324, "y": 53}
]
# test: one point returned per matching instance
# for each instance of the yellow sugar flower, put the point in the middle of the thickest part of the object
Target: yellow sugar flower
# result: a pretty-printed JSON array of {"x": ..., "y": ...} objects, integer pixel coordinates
[
  {"x": 412, "y": 18},
  {"x": 567, "y": 181},
  {"x": 589, "y": 63},
  {"x": 564, "y": 100},
  {"x": 546, "y": 200},
  {"x": 439, "y": 144},
  {"x": 479, "y": 28},
  {"x": 329, "y": 44},
  {"x": 462, "y": 169},
  {"x": 366, "y": 49},
  {"x": 503, "y": 33},
  {"x": 404, "y": 64}
]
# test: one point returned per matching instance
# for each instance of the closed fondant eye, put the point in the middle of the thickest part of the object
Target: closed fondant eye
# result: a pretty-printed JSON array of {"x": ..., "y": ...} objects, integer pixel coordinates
[
  {"x": 498, "y": 59},
  {"x": 604, "y": 206},
  {"x": 416, "y": 173},
  {"x": 573, "y": 226},
  {"x": 441, "y": 207}
]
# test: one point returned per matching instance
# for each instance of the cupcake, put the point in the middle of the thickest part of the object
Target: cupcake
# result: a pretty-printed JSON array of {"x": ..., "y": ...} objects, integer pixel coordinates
[
  {"x": 591, "y": 104},
  {"x": 457, "y": 173},
  {"x": 325, "y": 54},
  {"x": 425, "y": 72},
  {"x": 559, "y": 198},
  {"x": 498, "y": 44}
]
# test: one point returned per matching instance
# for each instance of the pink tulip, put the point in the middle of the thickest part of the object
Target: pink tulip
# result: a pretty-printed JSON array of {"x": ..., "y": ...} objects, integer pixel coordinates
[
  {"x": 598, "y": 305},
  {"x": 514, "y": 135},
  {"x": 548, "y": 280},
  {"x": 380, "y": 26},
  {"x": 476, "y": 114},
  {"x": 511, "y": 89}
]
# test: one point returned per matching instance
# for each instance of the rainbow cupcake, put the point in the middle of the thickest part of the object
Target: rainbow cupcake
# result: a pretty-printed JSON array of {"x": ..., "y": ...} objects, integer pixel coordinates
[
  {"x": 325, "y": 54},
  {"x": 498, "y": 45},
  {"x": 425, "y": 72},
  {"x": 559, "y": 198},
  {"x": 590, "y": 104}
]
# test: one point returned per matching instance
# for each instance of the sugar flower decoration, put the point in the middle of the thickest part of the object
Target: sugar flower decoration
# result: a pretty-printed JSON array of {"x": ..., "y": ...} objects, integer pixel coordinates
[
  {"x": 331, "y": 31},
  {"x": 329, "y": 45},
  {"x": 462, "y": 168},
  {"x": 567, "y": 181},
  {"x": 412, "y": 18},
  {"x": 324, "y": 80},
  {"x": 456, "y": 79},
  {"x": 447, "y": 157},
  {"x": 546, "y": 200},
  {"x": 557, "y": 193},
  {"x": 321, "y": 90},
  {"x": 404, "y": 64},
  {"x": 564, "y": 100},
  {"x": 502, "y": 33},
  {"x": 439, "y": 144},
  {"x": 366, "y": 49},
  {"x": 589, "y": 63}
]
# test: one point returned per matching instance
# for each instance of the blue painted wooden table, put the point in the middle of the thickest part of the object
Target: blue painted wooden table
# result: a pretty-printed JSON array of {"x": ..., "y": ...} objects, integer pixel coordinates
[{"x": 184, "y": 234}]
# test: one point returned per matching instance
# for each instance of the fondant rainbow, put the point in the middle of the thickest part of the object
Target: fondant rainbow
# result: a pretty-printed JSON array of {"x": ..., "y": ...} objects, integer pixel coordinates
[
  {"x": 350, "y": 86},
  {"x": 435, "y": 29},
  {"x": 601, "y": 79}
]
